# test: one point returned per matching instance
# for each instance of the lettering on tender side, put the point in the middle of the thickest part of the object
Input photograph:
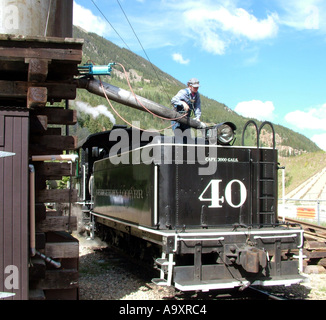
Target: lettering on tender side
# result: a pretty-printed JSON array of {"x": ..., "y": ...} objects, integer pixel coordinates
[
  {"x": 130, "y": 193},
  {"x": 213, "y": 159}
]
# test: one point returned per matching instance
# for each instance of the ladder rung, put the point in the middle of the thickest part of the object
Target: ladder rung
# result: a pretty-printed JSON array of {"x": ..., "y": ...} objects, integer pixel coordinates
[{"x": 161, "y": 262}]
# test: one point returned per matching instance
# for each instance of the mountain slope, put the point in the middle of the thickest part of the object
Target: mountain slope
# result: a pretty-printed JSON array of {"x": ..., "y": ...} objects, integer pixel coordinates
[{"x": 152, "y": 83}]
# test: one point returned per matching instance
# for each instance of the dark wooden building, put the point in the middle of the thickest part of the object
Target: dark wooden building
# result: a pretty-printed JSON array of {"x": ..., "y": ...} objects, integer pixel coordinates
[
  {"x": 38, "y": 256},
  {"x": 14, "y": 127}
]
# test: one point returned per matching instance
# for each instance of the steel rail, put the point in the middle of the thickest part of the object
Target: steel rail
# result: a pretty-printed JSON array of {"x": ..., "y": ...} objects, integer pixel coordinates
[{"x": 318, "y": 231}]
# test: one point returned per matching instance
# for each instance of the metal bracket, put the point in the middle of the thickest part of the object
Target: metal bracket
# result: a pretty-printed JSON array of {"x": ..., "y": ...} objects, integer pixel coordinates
[{"x": 90, "y": 69}]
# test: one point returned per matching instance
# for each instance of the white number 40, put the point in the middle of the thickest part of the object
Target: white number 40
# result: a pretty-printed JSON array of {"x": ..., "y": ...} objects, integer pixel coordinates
[{"x": 217, "y": 201}]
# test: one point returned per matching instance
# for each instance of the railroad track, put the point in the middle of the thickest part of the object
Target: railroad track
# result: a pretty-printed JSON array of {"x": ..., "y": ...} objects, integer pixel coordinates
[
  {"x": 314, "y": 244},
  {"x": 310, "y": 230}
]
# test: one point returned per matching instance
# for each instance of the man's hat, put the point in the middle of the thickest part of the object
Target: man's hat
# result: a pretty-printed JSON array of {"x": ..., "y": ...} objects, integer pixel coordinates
[{"x": 194, "y": 82}]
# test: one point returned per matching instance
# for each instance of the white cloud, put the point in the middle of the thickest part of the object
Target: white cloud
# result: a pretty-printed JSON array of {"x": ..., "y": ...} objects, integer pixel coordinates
[
  {"x": 85, "y": 19},
  {"x": 256, "y": 109},
  {"x": 311, "y": 119},
  {"x": 239, "y": 22},
  {"x": 211, "y": 42},
  {"x": 303, "y": 14},
  {"x": 320, "y": 140},
  {"x": 314, "y": 118},
  {"x": 218, "y": 25},
  {"x": 177, "y": 57}
]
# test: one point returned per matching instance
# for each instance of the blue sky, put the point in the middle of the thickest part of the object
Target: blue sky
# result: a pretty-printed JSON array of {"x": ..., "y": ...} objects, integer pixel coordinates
[{"x": 262, "y": 58}]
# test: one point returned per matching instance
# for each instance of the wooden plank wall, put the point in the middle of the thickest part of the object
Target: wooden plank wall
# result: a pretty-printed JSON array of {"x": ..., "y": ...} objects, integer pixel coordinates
[{"x": 14, "y": 173}]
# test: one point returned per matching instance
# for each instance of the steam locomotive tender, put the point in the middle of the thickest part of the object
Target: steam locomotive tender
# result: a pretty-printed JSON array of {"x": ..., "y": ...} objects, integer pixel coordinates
[{"x": 205, "y": 210}]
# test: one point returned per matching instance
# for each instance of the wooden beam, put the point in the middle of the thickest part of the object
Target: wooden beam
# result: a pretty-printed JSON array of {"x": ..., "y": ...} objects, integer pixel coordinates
[
  {"x": 46, "y": 145},
  {"x": 38, "y": 124},
  {"x": 37, "y": 69},
  {"x": 54, "y": 170},
  {"x": 62, "y": 249},
  {"x": 60, "y": 236},
  {"x": 53, "y": 131},
  {"x": 40, "y": 212},
  {"x": 40, "y": 240},
  {"x": 59, "y": 279},
  {"x": 66, "y": 294},
  {"x": 37, "y": 268},
  {"x": 59, "y": 223},
  {"x": 13, "y": 89},
  {"x": 73, "y": 55},
  {"x": 58, "y": 115},
  {"x": 37, "y": 97},
  {"x": 19, "y": 90},
  {"x": 312, "y": 245},
  {"x": 11, "y": 40},
  {"x": 36, "y": 294},
  {"x": 56, "y": 195},
  {"x": 322, "y": 262},
  {"x": 66, "y": 142},
  {"x": 316, "y": 254}
]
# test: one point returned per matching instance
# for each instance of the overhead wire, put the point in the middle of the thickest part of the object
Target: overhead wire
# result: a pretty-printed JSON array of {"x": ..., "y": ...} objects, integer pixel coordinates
[
  {"x": 133, "y": 30},
  {"x": 110, "y": 24}
]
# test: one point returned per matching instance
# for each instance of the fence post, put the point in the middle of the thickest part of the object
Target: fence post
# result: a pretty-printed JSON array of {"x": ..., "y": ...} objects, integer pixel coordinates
[{"x": 318, "y": 212}]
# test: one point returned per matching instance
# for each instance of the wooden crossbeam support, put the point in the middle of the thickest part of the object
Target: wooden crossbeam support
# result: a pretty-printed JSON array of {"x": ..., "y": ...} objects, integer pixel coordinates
[
  {"x": 37, "y": 97},
  {"x": 37, "y": 69},
  {"x": 38, "y": 124},
  {"x": 47, "y": 145},
  {"x": 19, "y": 89},
  {"x": 45, "y": 53},
  {"x": 53, "y": 131},
  {"x": 56, "y": 195},
  {"x": 64, "y": 142},
  {"x": 57, "y": 115},
  {"x": 62, "y": 249},
  {"x": 57, "y": 223},
  {"x": 40, "y": 212},
  {"x": 37, "y": 269},
  {"x": 59, "y": 279},
  {"x": 17, "y": 47},
  {"x": 54, "y": 170}
]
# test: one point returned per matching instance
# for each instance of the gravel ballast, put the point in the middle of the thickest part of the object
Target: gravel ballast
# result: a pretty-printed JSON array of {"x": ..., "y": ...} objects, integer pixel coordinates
[{"x": 104, "y": 275}]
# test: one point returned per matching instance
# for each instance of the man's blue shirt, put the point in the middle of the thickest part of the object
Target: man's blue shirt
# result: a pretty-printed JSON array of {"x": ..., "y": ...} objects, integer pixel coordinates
[{"x": 186, "y": 96}]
